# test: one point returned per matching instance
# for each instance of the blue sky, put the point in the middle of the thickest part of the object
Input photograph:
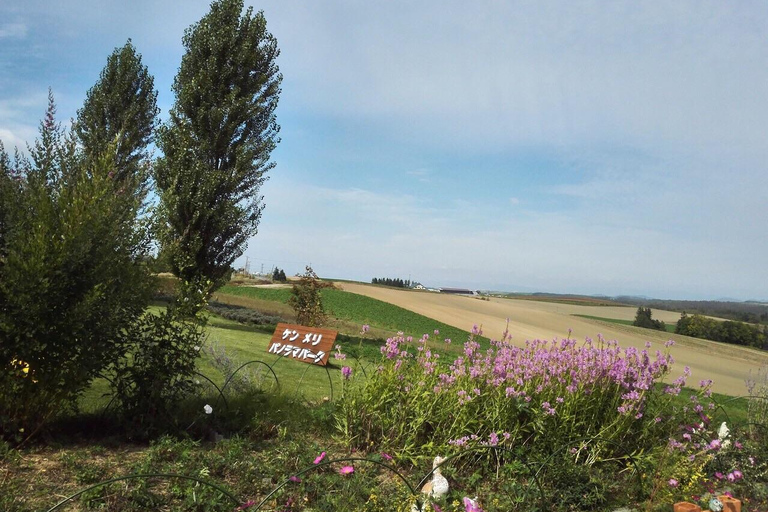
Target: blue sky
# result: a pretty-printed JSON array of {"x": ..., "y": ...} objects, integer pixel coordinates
[{"x": 573, "y": 147}]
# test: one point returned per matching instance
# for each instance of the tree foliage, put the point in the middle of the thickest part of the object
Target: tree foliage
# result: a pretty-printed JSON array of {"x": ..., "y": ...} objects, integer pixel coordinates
[
  {"x": 644, "y": 318},
  {"x": 279, "y": 275},
  {"x": 394, "y": 282},
  {"x": 217, "y": 144},
  {"x": 121, "y": 110},
  {"x": 306, "y": 300},
  {"x": 737, "y": 333},
  {"x": 71, "y": 280}
]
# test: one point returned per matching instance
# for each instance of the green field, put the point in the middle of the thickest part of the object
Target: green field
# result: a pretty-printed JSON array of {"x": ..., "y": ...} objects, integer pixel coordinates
[{"x": 357, "y": 310}]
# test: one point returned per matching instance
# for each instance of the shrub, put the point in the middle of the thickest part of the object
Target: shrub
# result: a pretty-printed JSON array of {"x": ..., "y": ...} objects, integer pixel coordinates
[
  {"x": 151, "y": 379},
  {"x": 71, "y": 278},
  {"x": 546, "y": 393},
  {"x": 306, "y": 301},
  {"x": 243, "y": 314}
]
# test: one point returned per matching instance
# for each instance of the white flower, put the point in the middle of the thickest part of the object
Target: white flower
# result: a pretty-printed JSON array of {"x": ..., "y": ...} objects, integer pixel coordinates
[
  {"x": 197, "y": 348},
  {"x": 208, "y": 409},
  {"x": 723, "y": 434}
]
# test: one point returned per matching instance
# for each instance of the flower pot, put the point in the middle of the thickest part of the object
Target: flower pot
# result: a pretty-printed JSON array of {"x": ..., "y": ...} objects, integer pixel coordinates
[
  {"x": 685, "y": 506},
  {"x": 730, "y": 504}
]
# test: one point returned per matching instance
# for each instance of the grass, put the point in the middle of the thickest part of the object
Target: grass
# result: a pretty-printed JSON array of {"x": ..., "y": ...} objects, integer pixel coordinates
[
  {"x": 353, "y": 310},
  {"x": 667, "y": 327},
  {"x": 281, "y": 433}
]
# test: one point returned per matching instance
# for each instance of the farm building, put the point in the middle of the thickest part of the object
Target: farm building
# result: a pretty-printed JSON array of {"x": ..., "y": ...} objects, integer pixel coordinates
[{"x": 457, "y": 291}]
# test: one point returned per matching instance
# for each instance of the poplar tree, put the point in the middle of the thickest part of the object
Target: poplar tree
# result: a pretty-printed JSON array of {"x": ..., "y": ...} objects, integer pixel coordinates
[
  {"x": 120, "y": 112},
  {"x": 217, "y": 143}
]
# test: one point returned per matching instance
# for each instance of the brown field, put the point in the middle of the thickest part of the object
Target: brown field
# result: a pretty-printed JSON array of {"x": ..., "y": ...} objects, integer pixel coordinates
[{"x": 727, "y": 365}]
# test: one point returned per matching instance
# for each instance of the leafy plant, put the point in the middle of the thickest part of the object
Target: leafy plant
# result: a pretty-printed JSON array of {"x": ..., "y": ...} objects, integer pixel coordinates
[
  {"x": 71, "y": 278},
  {"x": 306, "y": 300},
  {"x": 151, "y": 379}
]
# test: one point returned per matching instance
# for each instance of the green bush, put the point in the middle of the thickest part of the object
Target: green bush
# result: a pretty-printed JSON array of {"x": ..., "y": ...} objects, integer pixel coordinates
[
  {"x": 151, "y": 380},
  {"x": 71, "y": 278},
  {"x": 243, "y": 314}
]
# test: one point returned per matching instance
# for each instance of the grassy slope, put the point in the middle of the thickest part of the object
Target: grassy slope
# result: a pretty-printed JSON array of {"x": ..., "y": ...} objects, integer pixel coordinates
[{"x": 357, "y": 310}]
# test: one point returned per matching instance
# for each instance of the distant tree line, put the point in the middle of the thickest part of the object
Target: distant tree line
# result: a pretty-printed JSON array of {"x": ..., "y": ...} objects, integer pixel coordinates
[
  {"x": 751, "y": 312},
  {"x": 388, "y": 281},
  {"x": 643, "y": 318},
  {"x": 737, "y": 333}
]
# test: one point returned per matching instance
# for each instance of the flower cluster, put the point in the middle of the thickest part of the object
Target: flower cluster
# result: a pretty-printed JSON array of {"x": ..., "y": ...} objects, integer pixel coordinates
[{"x": 569, "y": 387}]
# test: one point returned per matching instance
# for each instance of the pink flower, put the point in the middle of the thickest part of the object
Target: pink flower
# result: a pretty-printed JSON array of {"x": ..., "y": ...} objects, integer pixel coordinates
[
  {"x": 319, "y": 458},
  {"x": 386, "y": 456},
  {"x": 366, "y": 328},
  {"x": 246, "y": 505},
  {"x": 346, "y": 371},
  {"x": 471, "y": 505},
  {"x": 345, "y": 470},
  {"x": 673, "y": 483},
  {"x": 294, "y": 478},
  {"x": 738, "y": 474}
]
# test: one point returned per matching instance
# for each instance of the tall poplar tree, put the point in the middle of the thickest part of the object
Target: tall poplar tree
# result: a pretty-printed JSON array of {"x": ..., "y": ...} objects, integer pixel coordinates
[
  {"x": 217, "y": 143},
  {"x": 120, "y": 112}
]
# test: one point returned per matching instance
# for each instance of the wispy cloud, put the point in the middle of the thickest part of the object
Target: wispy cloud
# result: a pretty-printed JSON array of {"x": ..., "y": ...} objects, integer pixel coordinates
[{"x": 13, "y": 31}]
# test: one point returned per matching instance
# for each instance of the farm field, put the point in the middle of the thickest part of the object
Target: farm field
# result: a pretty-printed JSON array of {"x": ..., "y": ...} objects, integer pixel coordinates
[{"x": 727, "y": 365}]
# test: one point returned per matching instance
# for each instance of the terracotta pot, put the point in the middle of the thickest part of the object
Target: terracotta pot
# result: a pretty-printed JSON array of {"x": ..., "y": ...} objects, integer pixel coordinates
[
  {"x": 685, "y": 506},
  {"x": 730, "y": 504}
]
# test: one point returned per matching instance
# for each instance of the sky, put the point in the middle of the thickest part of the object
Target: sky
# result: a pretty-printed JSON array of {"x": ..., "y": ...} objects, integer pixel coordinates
[{"x": 615, "y": 148}]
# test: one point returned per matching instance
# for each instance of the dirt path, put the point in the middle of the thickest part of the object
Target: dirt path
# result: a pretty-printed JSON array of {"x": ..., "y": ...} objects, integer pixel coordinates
[{"x": 727, "y": 365}]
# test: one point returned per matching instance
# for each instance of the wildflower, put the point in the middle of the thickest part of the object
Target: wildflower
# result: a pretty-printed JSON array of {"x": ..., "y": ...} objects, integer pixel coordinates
[
  {"x": 738, "y": 475},
  {"x": 437, "y": 333},
  {"x": 386, "y": 456},
  {"x": 731, "y": 477},
  {"x": 471, "y": 505},
  {"x": 719, "y": 475},
  {"x": 346, "y": 371},
  {"x": 345, "y": 470},
  {"x": 673, "y": 483},
  {"x": 246, "y": 505},
  {"x": 197, "y": 348},
  {"x": 366, "y": 328},
  {"x": 447, "y": 341},
  {"x": 208, "y": 409},
  {"x": 715, "y": 444},
  {"x": 319, "y": 458},
  {"x": 294, "y": 478}
]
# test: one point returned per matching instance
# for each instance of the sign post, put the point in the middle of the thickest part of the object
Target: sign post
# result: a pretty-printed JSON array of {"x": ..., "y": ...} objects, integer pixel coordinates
[{"x": 310, "y": 345}]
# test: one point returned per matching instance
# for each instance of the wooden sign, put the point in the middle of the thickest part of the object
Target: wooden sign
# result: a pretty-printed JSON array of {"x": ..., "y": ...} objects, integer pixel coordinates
[{"x": 310, "y": 345}]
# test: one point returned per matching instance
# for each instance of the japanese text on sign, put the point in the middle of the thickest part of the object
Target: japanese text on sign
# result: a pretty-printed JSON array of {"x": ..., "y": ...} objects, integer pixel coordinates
[{"x": 307, "y": 344}]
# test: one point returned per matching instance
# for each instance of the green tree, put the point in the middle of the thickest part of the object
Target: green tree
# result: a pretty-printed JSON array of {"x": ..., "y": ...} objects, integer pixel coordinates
[
  {"x": 71, "y": 281},
  {"x": 306, "y": 300},
  {"x": 217, "y": 143},
  {"x": 121, "y": 110},
  {"x": 644, "y": 318}
]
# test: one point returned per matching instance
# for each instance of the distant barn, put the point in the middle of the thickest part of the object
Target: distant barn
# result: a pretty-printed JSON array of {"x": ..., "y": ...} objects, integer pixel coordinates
[{"x": 457, "y": 291}]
